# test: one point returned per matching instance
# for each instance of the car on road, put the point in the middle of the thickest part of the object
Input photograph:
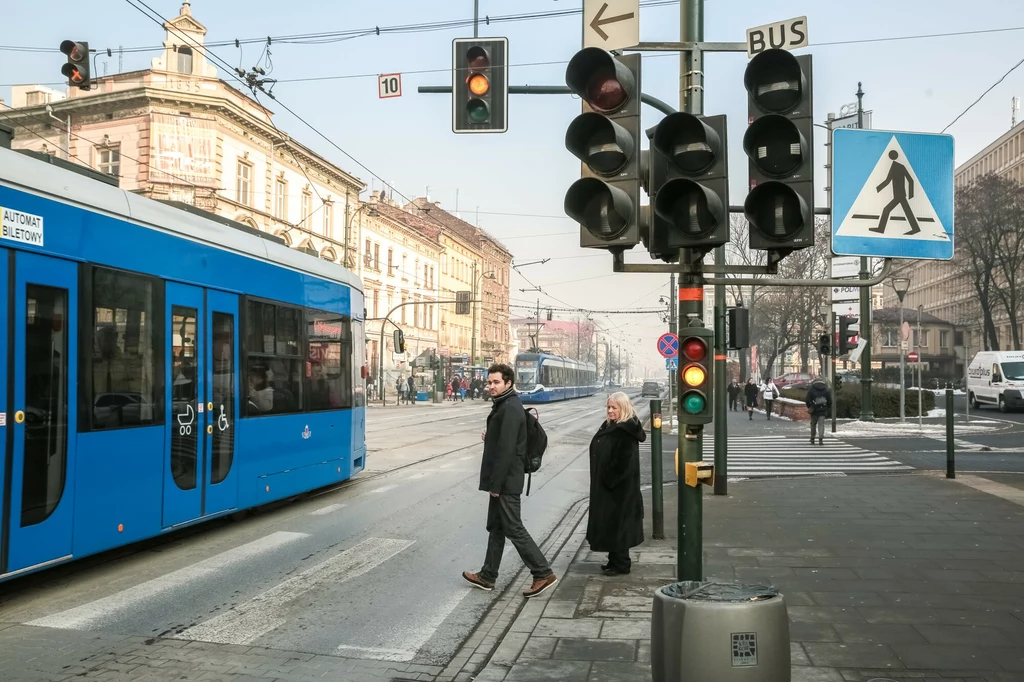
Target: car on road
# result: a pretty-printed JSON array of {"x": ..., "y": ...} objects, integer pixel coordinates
[
  {"x": 650, "y": 388},
  {"x": 996, "y": 378},
  {"x": 794, "y": 380}
]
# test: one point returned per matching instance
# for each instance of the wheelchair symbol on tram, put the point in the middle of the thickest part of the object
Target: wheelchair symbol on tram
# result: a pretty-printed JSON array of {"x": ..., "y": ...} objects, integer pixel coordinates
[
  {"x": 185, "y": 421},
  {"x": 222, "y": 420}
]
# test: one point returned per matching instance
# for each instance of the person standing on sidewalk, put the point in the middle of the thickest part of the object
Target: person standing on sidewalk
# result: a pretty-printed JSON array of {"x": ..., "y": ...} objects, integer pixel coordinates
[
  {"x": 616, "y": 519},
  {"x": 771, "y": 392},
  {"x": 818, "y": 401},
  {"x": 734, "y": 394},
  {"x": 502, "y": 475},
  {"x": 750, "y": 392},
  {"x": 412, "y": 390}
]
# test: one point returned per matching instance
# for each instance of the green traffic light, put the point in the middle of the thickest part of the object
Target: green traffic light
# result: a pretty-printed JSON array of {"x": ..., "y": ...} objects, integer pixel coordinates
[
  {"x": 477, "y": 110},
  {"x": 693, "y": 403}
]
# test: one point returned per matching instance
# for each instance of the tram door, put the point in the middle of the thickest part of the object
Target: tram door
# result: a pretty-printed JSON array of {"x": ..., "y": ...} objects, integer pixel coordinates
[
  {"x": 38, "y": 360},
  {"x": 200, "y": 477}
]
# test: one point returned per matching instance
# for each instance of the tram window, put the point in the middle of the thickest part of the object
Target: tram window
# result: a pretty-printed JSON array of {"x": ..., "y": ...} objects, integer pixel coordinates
[
  {"x": 123, "y": 372},
  {"x": 328, "y": 365},
  {"x": 46, "y": 402},
  {"x": 274, "y": 362},
  {"x": 223, "y": 395}
]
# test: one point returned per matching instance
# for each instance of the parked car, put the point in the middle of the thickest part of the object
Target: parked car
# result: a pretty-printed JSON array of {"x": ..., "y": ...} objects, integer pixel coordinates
[
  {"x": 650, "y": 388},
  {"x": 794, "y": 380}
]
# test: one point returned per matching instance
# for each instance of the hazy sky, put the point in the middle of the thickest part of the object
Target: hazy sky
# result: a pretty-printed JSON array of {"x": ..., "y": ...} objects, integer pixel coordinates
[{"x": 915, "y": 85}]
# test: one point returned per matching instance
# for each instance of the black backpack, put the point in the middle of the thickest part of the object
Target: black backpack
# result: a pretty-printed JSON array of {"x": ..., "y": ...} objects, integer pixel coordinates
[{"x": 536, "y": 444}]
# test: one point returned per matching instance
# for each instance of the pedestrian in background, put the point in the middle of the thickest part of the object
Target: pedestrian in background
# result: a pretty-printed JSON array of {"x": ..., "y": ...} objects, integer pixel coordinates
[
  {"x": 400, "y": 388},
  {"x": 412, "y": 390},
  {"x": 818, "y": 401},
  {"x": 503, "y": 475},
  {"x": 616, "y": 520},
  {"x": 734, "y": 395},
  {"x": 771, "y": 392},
  {"x": 750, "y": 392}
]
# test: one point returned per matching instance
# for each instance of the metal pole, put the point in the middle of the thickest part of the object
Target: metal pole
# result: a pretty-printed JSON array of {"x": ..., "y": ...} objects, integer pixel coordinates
[
  {"x": 920, "y": 404},
  {"x": 950, "y": 463},
  {"x": 657, "y": 484},
  {"x": 673, "y": 295},
  {"x": 476, "y": 17},
  {"x": 903, "y": 371},
  {"x": 473, "y": 311},
  {"x": 866, "y": 413},
  {"x": 721, "y": 408},
  {"x": 967, "y": 393},
  {"x": 835, "y": 393}
]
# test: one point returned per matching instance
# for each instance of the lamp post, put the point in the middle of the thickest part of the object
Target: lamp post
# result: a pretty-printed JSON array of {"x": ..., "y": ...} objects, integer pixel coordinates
[
  {"x": 900, "y": 285},
  {"x": 920, "y": 406},
  {"x": 476, "y": 281},
  {"x": 348, "y": 226}
]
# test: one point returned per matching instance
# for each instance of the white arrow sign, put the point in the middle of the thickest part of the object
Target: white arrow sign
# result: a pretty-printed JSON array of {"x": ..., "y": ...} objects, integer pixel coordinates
[{"x": 611, "y": 24}]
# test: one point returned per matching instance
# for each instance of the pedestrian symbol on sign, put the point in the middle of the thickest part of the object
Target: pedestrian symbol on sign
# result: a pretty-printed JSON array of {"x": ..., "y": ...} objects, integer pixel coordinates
[{"x": 902, "y": 189}]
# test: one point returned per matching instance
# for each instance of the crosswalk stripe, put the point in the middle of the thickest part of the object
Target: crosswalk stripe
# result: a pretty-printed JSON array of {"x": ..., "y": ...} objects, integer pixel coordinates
[
  {"x": 101, "y": 611},
  {"x": 245, "y": 623},
  {"x": 752, "y": 456}
]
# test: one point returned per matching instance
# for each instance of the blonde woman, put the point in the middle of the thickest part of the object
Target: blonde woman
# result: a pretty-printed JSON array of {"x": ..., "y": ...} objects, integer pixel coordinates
[{"x": 616, "y": 520}]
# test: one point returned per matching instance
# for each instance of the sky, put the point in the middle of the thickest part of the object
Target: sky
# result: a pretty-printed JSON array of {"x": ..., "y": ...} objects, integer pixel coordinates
[{"x": 513, "y": 184}]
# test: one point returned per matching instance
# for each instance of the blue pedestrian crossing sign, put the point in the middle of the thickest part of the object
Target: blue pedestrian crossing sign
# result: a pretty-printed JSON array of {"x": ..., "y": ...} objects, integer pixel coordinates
[
  {"x": 892, "y": 194},
  {"x": 671, "y": 363}
]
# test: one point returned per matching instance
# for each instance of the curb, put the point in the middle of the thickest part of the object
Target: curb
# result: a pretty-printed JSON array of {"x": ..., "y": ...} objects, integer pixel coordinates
[{"x": 492, "y": 649}]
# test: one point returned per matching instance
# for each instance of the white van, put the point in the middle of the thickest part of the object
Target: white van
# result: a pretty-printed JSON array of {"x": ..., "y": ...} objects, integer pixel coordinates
[{"x": 996, "y": 378}]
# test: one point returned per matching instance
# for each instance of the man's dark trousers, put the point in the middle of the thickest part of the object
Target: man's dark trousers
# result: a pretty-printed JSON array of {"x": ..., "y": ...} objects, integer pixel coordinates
[{"x": 504, "y": 520}]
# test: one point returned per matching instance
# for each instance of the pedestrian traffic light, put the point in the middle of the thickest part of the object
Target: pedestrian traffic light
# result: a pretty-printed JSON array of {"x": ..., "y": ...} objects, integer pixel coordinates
[
  {"x": 695, "y": 369},
  {"x": 849, "y": 330},
  {"x": 76, "y": 70},
  {"x": 462, "y": 299},
  {"x": 399, "y": 341},
  {"x": 605, "y": 201},
  {"x": 824, "y": 345},
  {"x": 779, "y": 145},
  {"x": 689, "y": 183},
  {"x": 480, "y": 85}
]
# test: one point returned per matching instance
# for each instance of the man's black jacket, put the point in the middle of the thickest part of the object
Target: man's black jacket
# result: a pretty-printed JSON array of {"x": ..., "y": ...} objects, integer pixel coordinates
[{"x": 503, "y": 467}]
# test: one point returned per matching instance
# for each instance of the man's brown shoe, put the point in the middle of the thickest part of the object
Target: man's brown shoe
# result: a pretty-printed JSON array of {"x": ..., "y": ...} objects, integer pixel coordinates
[
  {"x": 540, "y": 585},
  {"x": 475, "y": 580}
]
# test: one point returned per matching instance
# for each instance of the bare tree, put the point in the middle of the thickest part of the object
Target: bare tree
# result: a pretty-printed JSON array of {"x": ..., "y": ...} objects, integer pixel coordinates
[
  {"x": 1005, "y": 199},
  {"x": 737, "y": 252}
]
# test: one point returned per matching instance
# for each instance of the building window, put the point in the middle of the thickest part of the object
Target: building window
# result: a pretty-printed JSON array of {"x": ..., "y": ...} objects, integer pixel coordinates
[
  {"x": 444, "y": 263},
  {"x": 430, "y": 316},
  {"x": 391, "y": 262},
  {"x": 328, "y": 218},
  {"x": 404, "y": 307},
  {"x": 376, "y": 302},
  {"x": 243, "y": 184},
  {"x": 889, "y": 339},
  {"x": 108, "y": 160},
  {"x": 416, "y": 274},
  {"x": 367, "y": 255},
  {"x": 281, "y": 200},
  {"x": 426, "y": 276},
  {"x": 923, "y": 340},
  {"x": 306, "y": 208},
  {"x": 405, "y": 267},
  {"x": 944, "y": 339},
  {"x": 376, "y": 257},
  {"x": 184, "y": 60}
]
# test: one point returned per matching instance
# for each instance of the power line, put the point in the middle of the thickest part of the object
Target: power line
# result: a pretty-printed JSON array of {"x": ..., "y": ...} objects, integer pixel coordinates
[{"x": 982, "y": 96}]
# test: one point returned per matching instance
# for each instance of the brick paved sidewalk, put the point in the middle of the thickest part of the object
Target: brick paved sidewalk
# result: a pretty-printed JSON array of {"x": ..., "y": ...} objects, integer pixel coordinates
[{"x": 893, "y": 577}]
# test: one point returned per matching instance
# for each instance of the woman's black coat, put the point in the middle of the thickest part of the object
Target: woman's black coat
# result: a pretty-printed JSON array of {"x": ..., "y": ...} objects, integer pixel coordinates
[{"x": 616, "y": 506}]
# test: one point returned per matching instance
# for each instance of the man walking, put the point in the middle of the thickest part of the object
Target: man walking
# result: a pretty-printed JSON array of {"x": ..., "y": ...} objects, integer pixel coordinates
[
  {"x": 502, "y": 475},
  {"x": 818, "y": 401},
  {"x": 734, "y": 394}
]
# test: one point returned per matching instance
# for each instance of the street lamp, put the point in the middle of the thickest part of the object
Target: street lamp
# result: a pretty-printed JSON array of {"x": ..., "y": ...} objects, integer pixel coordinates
[
  {"x": 476, "y": 281},
  {"x": 900, "y": 285},
  {"x": 348, "y": 226}
]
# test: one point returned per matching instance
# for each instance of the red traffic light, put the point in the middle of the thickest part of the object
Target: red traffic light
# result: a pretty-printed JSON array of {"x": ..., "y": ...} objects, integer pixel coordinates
[
  {"x": 75, "y": 51},
  {"x": 477, "y": 58},
  {"x": 694, "y": 349},
  {"x": 605, "y": 93},
  {"x": 604, "y": 82}
]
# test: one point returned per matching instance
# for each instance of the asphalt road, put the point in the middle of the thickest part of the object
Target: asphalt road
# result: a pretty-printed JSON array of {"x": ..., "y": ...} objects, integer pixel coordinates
[{"x": 370, "y": 570}]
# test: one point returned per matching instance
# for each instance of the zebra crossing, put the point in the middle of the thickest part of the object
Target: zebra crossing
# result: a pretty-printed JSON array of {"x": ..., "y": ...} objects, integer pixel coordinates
[{"x": 763, "y": 456}]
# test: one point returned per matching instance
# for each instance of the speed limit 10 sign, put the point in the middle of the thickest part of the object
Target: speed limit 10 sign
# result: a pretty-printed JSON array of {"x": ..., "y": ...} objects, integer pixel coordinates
[{"x": 390, "y": 85}]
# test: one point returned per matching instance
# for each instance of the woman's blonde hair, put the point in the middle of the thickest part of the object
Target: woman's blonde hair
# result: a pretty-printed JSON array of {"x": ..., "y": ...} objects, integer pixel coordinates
[{"x": 626, "y": 411}]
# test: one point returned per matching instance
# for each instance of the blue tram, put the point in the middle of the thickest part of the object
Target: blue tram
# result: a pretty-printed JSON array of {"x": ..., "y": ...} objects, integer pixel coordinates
[
  {"x": 543, "y": 378},
  {"x": 162, "y": 367}
]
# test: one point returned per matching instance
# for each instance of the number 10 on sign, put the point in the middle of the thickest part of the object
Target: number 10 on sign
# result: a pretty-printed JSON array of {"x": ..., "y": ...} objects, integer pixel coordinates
[{"x": 390, "y": 85}]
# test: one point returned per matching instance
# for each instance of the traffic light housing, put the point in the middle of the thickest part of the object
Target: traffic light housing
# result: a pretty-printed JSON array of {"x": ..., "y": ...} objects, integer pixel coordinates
[
  {"x": 605, "y": 201},
  {"x": 689, "y": 184},
  {"x": 399, "y": 341},
  {"x": 462, "y": 299},
  {"x": 480, "y": 85},
  {"x": 77, "y": 69},
  {"x": 849, "y": 328},
  {"x": 824, "y": 345},
  {"x": 695, "y": 375},
  {"x": 739, "y": 328},
  {"x": 779, "y": 145}
]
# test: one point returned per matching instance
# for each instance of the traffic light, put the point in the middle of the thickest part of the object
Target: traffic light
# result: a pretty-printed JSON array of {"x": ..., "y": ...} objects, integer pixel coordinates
[
  {"x": 689, "y": 184},
  {"x": 480, "y": 85},
  {"x": 399, "y": 341},
  {"x": 462, "y": 299},
  {"x": 779, "y": 144},
  {"x": 739, "y": 328},
  {"x": 824, "y": 345},
  {"x": 849, "y": 328},
  {"x": 605, "y": 201},
  {"x": 695, "y": 365},
  {"x": 76, "y": 70}
]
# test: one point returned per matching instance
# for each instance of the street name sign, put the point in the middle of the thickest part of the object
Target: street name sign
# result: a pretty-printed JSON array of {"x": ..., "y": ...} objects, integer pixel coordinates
[
  {"x": 611, "y": 24},
  {"x": 892, "y": 194},
  {"x": 668, "y": 345},
  {"x": 790, "y": 34}
]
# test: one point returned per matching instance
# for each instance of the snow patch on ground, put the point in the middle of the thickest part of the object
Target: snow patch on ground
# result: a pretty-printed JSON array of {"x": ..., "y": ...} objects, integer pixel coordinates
[{"x": 860, "y": 429}]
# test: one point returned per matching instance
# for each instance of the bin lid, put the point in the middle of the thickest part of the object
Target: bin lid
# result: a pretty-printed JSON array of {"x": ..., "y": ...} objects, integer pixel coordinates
[{"x": 718, "y": 591}]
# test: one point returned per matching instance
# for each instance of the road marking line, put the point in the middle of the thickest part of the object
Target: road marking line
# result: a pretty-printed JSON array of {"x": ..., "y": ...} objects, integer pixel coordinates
[
  {"x": 376, "y": 653},
  {"x": 323, "y": 511},
  {"x": 245, "y": 623},
  {"x": 382, "y": 489},
  {"x": 413, "y": 638},
  {"x": 421, "y": 474},
  {"x": 107, "y": 609}
]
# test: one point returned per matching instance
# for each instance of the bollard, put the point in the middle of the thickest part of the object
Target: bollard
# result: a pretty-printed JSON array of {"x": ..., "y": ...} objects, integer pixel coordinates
[
  {"x": 657, "y": 490},
  {"x": 950, "y": 462}
]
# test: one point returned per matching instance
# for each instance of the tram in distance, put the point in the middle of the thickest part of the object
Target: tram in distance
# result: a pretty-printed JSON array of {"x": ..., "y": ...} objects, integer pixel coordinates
[
  {"x": 544, "y": 378},
  {"x": 162, "y": 367}
]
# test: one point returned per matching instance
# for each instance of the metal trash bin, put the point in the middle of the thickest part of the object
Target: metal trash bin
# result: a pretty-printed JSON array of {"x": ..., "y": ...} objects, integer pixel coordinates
[{"x": 726, "y": 632}]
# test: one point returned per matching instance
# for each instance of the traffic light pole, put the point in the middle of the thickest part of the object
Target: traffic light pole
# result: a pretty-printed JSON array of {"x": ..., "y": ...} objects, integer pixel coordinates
[
  {"x": 866, "y": 413},
  {"x": 673, "y": 294},
  {"x": 690, "y": 516}
]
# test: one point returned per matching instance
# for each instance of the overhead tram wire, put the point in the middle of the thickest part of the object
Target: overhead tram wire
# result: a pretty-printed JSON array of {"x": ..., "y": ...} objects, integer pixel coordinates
[{"x": 982, "y": 96}]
